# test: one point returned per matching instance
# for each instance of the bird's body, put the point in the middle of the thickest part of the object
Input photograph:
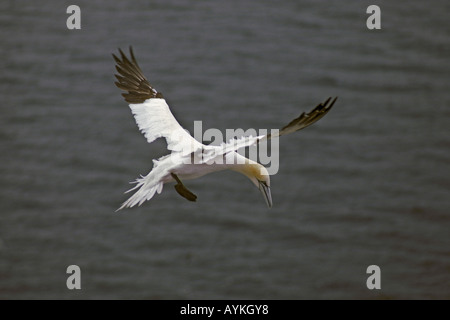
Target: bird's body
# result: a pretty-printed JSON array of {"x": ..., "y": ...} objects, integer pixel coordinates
[
  {"x": 183, "y": 167},
  {"x": 189, "y": 158}
]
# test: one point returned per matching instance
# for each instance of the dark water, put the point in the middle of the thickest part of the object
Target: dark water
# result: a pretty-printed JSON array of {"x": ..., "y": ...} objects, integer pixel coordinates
[{"x": 369, "y": 184}]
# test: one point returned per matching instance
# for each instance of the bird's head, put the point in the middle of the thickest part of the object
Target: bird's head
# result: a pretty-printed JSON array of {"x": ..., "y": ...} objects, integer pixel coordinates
[{"x": 260, "y": 178}]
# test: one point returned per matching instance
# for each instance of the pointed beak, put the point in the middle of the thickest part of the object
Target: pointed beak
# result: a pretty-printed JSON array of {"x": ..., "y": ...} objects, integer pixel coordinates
[{"x": 265, "y": 190}]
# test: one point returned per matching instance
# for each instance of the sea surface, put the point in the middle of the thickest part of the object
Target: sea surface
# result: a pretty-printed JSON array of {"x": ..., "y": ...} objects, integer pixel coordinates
[{"x": 369, "y": 184}]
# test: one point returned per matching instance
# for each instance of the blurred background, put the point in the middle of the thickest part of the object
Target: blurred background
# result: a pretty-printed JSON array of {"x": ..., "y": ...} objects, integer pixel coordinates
[{"x": 367, "y": 185}]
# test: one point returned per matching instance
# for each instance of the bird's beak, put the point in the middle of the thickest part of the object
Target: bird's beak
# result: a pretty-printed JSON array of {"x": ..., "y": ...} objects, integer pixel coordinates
[{"x": 265, "y": 190}]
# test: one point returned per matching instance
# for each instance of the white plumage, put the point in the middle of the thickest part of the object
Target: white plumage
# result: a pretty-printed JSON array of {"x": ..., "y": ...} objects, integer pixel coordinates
[
  {"x": 189, "y": 158},
  {"x": 155, "y": 120}
]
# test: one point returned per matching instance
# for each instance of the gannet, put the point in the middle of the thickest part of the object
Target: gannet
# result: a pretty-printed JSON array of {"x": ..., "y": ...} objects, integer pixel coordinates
[{"x": 189, "y": 158}]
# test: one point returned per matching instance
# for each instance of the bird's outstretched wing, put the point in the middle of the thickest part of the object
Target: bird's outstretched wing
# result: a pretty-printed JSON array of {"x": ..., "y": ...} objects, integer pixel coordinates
[
  {"x": 306, "y": 119},
  {"x": 150, "y": 110},
  {"x": 299, "y": 123}
]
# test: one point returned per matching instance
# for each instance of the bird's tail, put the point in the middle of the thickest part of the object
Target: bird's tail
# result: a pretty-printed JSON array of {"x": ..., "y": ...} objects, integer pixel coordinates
[{"x": 147, "y": 187}]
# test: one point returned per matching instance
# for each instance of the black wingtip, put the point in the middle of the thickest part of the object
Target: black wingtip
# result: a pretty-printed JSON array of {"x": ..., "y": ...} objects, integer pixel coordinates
[
  {"x": 130, "y": 78},
  {"x": 332, "y": 103},
  {"x": 122, "y": 54},
  {"x": 326, "y": 101}
]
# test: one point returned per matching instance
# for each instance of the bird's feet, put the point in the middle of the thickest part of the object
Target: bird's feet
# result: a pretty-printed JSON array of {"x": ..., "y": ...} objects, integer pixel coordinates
[{"x": 182, "y": 190}]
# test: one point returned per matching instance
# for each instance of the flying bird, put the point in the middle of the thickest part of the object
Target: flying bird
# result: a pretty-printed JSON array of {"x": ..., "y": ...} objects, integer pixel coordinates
[{"x": 189, "y": 158}]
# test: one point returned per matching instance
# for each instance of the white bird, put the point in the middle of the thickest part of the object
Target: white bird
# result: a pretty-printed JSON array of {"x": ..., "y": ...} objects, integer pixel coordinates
[{"x": 189, "y": 159}]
